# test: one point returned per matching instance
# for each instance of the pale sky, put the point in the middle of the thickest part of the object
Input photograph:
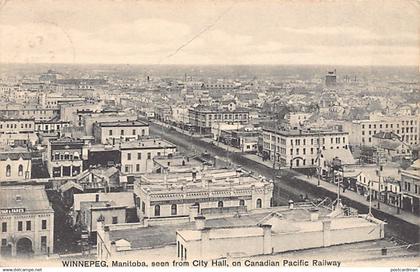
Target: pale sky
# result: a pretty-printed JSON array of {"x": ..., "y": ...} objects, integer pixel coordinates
[{"x": 211, "y": 32}]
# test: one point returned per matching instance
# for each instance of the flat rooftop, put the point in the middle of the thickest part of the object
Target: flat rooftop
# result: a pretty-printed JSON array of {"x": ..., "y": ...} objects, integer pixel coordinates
[
  {"x": 123, "y": 124},
  {"x": 145, "y": 143}
]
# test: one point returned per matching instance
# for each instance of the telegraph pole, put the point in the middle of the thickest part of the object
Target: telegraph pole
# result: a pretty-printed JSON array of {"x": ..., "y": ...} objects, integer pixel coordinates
[{"x": 319, "y": 158}]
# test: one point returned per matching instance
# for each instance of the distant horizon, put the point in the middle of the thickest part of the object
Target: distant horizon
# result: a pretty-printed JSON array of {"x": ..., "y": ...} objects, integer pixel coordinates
[{"x": 195, "y": 64}]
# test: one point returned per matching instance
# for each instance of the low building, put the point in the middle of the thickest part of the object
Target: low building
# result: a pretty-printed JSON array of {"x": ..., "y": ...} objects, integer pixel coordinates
[
  {"x": 410, "y": 188},
  {"x": 15, "y": 164},
  {"x": 26, "y": 221},
  {"x": 281, "y": 231},
  {"x": 110, "y": 208},
  {"x": 206, "y": 192},
  {"x": 118, "y": 132},
  {"x": 17, "y": 131}
]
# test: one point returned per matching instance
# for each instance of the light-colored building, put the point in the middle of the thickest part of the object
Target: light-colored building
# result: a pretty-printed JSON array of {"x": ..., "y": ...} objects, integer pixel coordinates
[
  {"x": 202, "y": 117},
  {"x": 19, "y": 131},
  {"x": 15, "y": 164},
  {"x": 206, "y": 192},
  {"x": 299, "y": 148},
  {"x": 118, "y": 132},
  {"x": 280, "y": 231},
  {"x": 297, "y": 119},
  {"x": 26, "y": 221},
  {"x": 407, "y": 127},
  {"x": 51, "y": 126},
  {"x": 110, "y": 208},
  {"x": 410, "y": 188},
  {"x": 137, "y": 155}
]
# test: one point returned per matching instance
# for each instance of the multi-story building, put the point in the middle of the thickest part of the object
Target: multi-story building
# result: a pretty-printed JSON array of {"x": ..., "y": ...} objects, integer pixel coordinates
[
  {"x": 15, "y": 164},
  {"x": 205, "y": 192},
  {"x": 19, "y": 131},
  {"x": 407, "y": 127},
  {"x": 203, "y": 117},
  {"x": 103, "y": 117},
  {"x": 26, "y": 221},
  {"x": 51, "y": 126},
  {"x": 38, "y": 113},
  {"x": 410, "y": 188},
  {"x": 117, "y": 132},
  {"x": 65, "y": 157},
  {"x": 137, "y": 156},
  {"x": 299, "y": 148}
]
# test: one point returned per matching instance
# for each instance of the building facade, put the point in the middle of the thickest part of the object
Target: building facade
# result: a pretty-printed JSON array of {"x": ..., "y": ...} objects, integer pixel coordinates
[
  {"x": 65, "y": 157},
  {"x": 299, "y": 148},
  {"x": 26, "y": 221},
  {"x": 117, "y": 132},
  {"x": 200, "y": 192},
  {"x": 137, "y": 156}
]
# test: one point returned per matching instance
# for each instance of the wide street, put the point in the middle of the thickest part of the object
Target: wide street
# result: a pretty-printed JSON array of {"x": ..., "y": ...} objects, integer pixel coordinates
[
  {"x": 284, "y": 189},
  {"x": 286, "y": 185}
]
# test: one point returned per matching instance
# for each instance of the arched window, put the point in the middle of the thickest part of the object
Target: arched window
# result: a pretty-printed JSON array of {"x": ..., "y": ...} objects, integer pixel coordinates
[
  {"x": 220, "y": 204},
  {"x": 8, "y": 170},
  {"x": 241, "y": 202},
  {"x": 20, "y": 170},
  {"x": 173, "y": 209},
  {"x": 157, "y": 210},
  {"x": 259, "y": 203}
]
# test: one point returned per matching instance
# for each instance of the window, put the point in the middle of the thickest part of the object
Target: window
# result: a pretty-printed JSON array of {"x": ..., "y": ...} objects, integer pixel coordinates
[
  {"x": 173, "y": 209},
  {"x": 44, "y": 224},
  {"x": 4, "y": 227},
  {"x": 115, "y": 220},
  {"x": 149, "y": 155},
  {"x": 137, "y": 167},
  {"x": 220, "y": 204},
  {"x": 20, "y": 170},
  {"x": 259, "y": 203},
  {"x": 3, "y": 242},
  {"x": 143, "y": 207},
  {"x": 139, "y": 156},
  {"x": 157, "y": 210},
  {"x": 28, "y": 225},
  {"x": 110, "y": 132},
  {"x": 129, "y": 156},
  {"x": 241, "y": 202},
  {"x": 20, "y": 225},
  {"x": 134, "y": 132},
  {"x": 43, "y": 243},
  {"x": 8, "y": 170},
  {"x": 122, "y": 131}
]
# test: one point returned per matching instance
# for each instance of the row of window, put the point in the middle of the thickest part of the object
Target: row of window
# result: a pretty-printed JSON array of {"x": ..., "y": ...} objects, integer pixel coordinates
[
  {"x": 174, "y": 207},
  {"x": 9, "y": 170},
  {"x": 26, "y": 125},
  {"x": 28, "y": 225},
  {"x": 134, "y": 132},
  {"x": 227, "y": 116},
  {"x": 149, "y": 155},
  {"x": 407, "y": 122}
]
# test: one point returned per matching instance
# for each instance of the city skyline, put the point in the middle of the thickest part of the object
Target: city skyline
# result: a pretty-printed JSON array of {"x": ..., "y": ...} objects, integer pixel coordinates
[{"x": 368, "y": 33}]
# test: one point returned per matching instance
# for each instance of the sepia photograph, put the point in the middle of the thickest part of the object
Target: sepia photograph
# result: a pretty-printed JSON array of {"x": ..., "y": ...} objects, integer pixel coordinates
[{"x": 192, "y": 134}]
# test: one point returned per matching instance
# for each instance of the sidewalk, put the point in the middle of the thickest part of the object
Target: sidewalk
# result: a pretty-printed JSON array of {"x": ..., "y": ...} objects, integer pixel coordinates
[{"x": 406, "y": 216}]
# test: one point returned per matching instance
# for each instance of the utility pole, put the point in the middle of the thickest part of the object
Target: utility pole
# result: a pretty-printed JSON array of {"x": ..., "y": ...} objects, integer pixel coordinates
[
  {"x": 379, "y": 175},
  {"x": 319, "y": 158}
]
